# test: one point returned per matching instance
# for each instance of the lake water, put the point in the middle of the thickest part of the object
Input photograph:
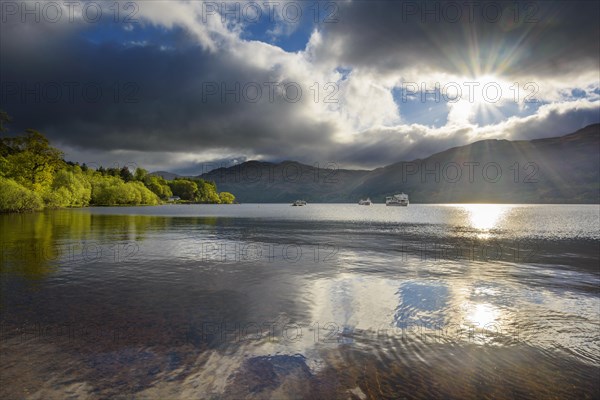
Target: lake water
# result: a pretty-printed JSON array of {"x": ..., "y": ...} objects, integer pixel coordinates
[{"x": 325, "y": 301}]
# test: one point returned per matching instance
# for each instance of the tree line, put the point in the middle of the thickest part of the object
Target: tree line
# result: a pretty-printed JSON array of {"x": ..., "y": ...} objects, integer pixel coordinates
[{"x": 34, "y": 176}]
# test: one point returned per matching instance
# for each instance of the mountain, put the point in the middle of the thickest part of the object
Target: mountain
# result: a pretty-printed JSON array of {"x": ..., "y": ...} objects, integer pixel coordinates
[
  {"x": 562, "y": 169},
  {"x": 167, "y": 175},
  {"x": 264, "y": 182},
  {"x": 552, "y": 170}
]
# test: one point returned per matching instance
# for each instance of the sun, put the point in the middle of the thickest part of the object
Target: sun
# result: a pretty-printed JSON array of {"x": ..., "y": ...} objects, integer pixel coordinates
[
  {"x": 488, "y": 90},
  {"x": 478, "y": 98}
]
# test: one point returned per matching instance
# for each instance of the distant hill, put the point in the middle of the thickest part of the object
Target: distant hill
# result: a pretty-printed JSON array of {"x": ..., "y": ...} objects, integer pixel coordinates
[
  {"x": 553, "y": 170},
  {"x": 264, "y": 182},
  {"x": 562, "y": 169},
  {"x": 167, "y": 175}
]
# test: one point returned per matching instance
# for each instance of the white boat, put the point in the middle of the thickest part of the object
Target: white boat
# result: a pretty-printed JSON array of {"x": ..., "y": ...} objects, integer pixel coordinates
[
  {"x": 298, "y": 203},
  {"x": 366, "y": 202},
  {"x": 397, "y": 200}
]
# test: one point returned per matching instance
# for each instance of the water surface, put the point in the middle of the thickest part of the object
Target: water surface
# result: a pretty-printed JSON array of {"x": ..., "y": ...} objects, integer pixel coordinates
[{"x": 323, "y": 301}]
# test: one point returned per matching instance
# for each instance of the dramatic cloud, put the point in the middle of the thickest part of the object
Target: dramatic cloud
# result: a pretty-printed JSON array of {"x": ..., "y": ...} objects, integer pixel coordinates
[{"x": 181, "y": 87}]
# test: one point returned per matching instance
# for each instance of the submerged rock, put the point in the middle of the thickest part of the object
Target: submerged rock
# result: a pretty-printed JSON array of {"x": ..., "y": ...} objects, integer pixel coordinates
[{"x": 278, "y": 376}]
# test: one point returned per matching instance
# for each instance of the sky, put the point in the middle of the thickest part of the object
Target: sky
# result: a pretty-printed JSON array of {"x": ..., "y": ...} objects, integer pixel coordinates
[{"x": 186, "y": 86}]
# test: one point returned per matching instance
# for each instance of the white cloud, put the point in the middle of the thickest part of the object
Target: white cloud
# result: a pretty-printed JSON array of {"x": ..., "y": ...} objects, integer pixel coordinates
[{"x": 362, "y": 125}]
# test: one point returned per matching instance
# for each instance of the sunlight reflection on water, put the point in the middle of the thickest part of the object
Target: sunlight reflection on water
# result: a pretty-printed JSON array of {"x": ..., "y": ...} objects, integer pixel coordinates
[{"x": 330, "y": 293}]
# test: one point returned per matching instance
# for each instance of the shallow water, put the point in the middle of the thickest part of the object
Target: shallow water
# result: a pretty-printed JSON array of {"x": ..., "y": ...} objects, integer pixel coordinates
[{"x": 323, "y": 301}]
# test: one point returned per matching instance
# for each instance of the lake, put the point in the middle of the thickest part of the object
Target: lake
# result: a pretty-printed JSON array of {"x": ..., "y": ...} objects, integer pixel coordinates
[{"x": 324, "y": 301}]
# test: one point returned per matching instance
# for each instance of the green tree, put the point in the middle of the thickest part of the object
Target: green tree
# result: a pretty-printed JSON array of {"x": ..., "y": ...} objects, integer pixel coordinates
[
  {"x": 159, "y": 186},
  {"x": 207, "y": 192},
  {"x": 32, "y": 161},
  {"x": 114, "y": 171},
  {"x": 17, "y": 198},
  {"x": 226, "y": 198},
  {"x": 140, "y": 174},
  {"x": 4, "y": 119},
  {"x": 111, "y": 190},
  {"x": 126, "y": 174},
  {"x": 4, "y": 166},
  {"x": 146, "y": 196},
  {"x": 186, "y": 189},
  {"x": 70, "y": 189}
]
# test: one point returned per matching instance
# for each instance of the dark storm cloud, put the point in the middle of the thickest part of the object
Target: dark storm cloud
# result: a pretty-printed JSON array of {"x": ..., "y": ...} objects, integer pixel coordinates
[
  {"x": 543, "y": 38},
  {"x": 153, "y": 80},
  {"x": 163, "y": 100}
]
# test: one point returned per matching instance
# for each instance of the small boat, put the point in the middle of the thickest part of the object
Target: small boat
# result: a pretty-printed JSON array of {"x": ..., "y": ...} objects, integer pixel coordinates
[
  {"x": 366, "y": 202},
  {"x": 397, "y": 200},
  {"x": 299, "y": 203}
]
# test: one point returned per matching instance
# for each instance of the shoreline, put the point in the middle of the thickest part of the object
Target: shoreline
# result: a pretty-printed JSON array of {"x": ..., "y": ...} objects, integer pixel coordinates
[{"x": 287, "y": 203}]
